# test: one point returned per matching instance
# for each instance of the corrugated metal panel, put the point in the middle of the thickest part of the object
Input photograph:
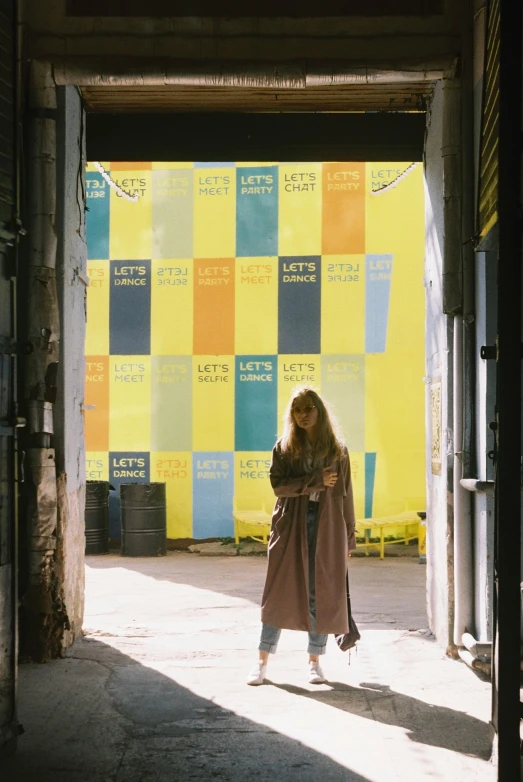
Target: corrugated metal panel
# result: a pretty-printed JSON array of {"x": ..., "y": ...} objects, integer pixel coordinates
[
  {"x": 488, "y": 175},
  {"x": 365, "y": 97}
]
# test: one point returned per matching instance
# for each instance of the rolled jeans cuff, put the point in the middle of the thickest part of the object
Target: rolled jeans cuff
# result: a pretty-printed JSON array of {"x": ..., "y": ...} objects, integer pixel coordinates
[{"x": 315, "y": 648}]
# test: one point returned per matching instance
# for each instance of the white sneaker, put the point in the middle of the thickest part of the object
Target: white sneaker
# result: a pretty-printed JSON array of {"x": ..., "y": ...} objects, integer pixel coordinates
[
  {"x": 316, "y": 675},
  {"x": 258, "y": 673}
]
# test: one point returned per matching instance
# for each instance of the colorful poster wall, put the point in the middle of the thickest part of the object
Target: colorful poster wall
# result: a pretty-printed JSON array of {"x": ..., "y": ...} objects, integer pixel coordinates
[{"x": 221, "y": 288}]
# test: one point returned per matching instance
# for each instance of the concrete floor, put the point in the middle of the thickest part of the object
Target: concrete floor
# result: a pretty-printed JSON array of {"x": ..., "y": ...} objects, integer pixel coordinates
[{"x": 155, "y": 690}]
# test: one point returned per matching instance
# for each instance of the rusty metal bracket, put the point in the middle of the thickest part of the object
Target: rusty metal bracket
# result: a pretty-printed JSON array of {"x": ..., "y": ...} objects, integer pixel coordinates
[{"x": 10, "y": 347}]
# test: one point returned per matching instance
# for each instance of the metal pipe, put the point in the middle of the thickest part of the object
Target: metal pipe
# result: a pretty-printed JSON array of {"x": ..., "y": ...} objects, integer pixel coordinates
[
  {"x": 476, "y": 648},
  {"x": 474, "y": 663},
  {"x": 463, "y": 561},
  {"x": 292, "y": 74}
]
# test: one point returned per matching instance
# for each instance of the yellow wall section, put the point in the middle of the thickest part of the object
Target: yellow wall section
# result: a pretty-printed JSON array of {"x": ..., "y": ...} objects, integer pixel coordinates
[
  {"x": 256, "y": 303},
  {"x": 214, "y": 212},
  {"x": 175, "y": 469},
  {"x": 394, "y": 414},
  {"x": 97, "y": 466},
  {"x": 213, "y": 403},
  {"x": 172, "y": 308},
  {"x": 343, "y": 304},
  {"x": 300, "y": 215},
  {"x": 97, "y": 329},
  {"x": 130, "y": 235},
  {"x": 130, "y": 395},
  {"x": 90, "y": 167}
]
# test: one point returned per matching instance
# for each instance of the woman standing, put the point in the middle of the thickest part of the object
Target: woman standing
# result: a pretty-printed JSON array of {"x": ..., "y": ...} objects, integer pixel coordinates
[{"x": 313, "y": 531}]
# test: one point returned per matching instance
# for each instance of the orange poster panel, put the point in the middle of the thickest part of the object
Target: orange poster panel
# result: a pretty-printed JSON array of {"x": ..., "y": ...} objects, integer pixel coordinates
[
  {"x": 213, "y": 306},
  {"x": 343, "y": 213},
  {"x": 97, "y": 395}
]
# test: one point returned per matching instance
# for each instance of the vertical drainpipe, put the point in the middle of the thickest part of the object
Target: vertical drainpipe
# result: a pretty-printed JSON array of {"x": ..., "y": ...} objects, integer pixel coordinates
[
  {"x": 465, "y": 614},
  {"x": 40, "y": 369},
  {"x": 453, "y": 306}
]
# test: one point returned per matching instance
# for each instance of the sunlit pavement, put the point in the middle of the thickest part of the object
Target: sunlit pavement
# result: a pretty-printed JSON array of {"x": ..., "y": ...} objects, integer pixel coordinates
[{"x": 156, "y": 688}]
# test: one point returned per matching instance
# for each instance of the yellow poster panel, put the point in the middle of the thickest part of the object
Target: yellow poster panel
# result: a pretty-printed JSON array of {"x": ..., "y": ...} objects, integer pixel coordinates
[
  {"x": 214, "y": 213},
  {"x": 300, "y": 215},
  {"x": 172, "y": 308},
  {"x": 252, "y": 486},
  {"x": 130, "y": 394},
  {"x": 256, "y": 302},
  {"x": 395, "y": 225},
  {"x": 343, "y": 304},
  {"x": 392, "y": 426},
  {"x": 97, "y": 466},
  {"x": 97, "y": 329},
  {"x": 174, "y": 468},
  {"x": 91, "y": 168},
  {"x": 213, "y": 403},
  {"x": 130, "y": 222},
  {"x": 295, "y": 372}
]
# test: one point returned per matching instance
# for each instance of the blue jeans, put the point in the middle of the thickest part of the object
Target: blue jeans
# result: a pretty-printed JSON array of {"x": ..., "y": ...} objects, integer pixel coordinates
[{"x": 317, "y": 641}]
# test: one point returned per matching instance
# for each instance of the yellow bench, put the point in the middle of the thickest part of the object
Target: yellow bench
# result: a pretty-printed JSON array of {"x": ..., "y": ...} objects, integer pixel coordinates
[
  {"x": 252, "y": 520},
  {"x": 405, "y": 519}
]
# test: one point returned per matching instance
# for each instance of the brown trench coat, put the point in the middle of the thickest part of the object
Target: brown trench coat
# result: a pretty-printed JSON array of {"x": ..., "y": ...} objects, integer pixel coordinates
[{"x": 285, "y": 601}]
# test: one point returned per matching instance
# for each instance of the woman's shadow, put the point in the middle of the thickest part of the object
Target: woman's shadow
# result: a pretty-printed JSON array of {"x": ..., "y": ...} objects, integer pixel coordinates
[{"x": 425, "y": 723}]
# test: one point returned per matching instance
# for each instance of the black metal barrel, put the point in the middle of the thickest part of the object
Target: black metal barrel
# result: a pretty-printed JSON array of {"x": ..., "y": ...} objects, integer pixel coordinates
[
  {"x": 97, "y": 517},
  {"x": 144, "y": 519}
]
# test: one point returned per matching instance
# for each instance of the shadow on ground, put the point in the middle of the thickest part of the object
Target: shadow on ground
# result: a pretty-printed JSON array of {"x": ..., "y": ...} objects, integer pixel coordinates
[
  {"x": 424, "y": 722},
  {"x": 386, "y": 593},
  {"x": 101, "y": 716}
]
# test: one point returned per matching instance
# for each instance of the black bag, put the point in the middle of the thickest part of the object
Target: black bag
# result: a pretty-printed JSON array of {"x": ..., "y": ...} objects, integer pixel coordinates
[{"x": 348, "y": 640}]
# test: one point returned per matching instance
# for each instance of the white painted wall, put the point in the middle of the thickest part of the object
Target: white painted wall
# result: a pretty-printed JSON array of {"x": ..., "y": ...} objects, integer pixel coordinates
[{"x": 439, "y": 337}]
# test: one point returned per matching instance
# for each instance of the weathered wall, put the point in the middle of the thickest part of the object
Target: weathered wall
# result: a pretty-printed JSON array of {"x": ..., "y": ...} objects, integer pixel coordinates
[
  {"x": 439, "y": 339},
  {"x": 69, "y": 423}
]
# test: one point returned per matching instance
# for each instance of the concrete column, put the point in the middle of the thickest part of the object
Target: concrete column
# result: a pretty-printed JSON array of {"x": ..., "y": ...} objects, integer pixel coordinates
[
  {"x": 439, "y": 347},
  {"x": 72, "y": 284}
]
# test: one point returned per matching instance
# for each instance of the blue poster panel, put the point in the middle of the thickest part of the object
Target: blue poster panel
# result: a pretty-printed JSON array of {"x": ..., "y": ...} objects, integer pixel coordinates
[
  {"x": 97, "y": 219},
  {"x": 256, "y": 211},
  {"x": 299, "y": 304},
  {"x": 256, "y": 403},
  {"x": 213, "y": 491},
  {"x": 378, "y": 276},
  {"x": 130, "y": 308},
  {"x": 370, "y": 477}
]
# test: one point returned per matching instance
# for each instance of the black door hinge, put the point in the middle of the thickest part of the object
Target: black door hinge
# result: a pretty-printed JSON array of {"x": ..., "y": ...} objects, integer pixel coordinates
[{"x": 488, "y": 351}]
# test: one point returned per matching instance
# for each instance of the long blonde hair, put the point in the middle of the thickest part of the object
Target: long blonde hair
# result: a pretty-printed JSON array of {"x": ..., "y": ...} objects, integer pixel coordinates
[{"x": 328, "y": 446}]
